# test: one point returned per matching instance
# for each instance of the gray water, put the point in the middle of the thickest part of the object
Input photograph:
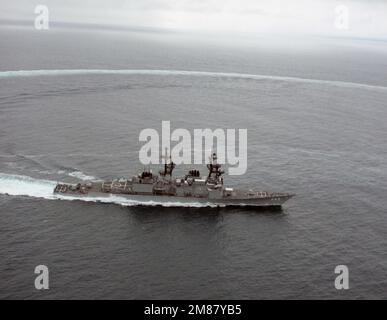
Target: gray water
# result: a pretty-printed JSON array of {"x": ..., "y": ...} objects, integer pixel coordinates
[{"x": 315, "y": 111}]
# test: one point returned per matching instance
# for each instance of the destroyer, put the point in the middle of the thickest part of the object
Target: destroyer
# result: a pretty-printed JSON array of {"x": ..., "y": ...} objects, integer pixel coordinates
[{"x": 147, "y": 187}]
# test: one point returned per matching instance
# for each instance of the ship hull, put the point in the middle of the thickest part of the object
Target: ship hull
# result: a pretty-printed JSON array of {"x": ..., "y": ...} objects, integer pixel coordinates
[{"x": 165, "y": 200}]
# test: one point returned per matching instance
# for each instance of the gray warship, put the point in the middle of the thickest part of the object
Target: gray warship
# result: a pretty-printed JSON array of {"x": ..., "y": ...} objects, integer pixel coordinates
[{"x": 147, "y": 187}]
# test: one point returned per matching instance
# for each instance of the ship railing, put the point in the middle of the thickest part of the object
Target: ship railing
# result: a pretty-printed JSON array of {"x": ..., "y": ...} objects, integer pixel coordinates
[
  {"x": 261, "y": 194},
  {"x": 117, "y": 186}
]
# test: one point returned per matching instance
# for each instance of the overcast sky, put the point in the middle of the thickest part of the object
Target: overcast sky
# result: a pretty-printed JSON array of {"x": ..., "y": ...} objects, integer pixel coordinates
[{"x": 366, "y": 18}]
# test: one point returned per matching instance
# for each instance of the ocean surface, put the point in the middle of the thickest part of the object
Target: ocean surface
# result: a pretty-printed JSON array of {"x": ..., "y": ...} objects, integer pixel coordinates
[{"x": 72, "y": 105}]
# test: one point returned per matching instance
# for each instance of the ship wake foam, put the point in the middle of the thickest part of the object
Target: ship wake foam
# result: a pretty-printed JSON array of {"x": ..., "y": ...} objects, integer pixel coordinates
[
  {"x": 74, "y": 72},
  {"x": 82, "y": 176},
  {"x": 18, "y": 185}
]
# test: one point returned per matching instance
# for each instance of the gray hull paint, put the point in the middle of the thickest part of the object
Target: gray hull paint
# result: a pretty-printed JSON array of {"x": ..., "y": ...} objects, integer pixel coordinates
[{"x": 184, "y": 201}]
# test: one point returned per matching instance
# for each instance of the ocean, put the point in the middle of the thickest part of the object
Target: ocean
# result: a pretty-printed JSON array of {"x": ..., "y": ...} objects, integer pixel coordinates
[{"x": 72, "y": 105}]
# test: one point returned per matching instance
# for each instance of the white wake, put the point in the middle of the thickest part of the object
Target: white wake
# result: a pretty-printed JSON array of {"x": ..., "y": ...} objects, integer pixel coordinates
[
  {"x": 17, "y": 185},
  {"x": 69, "y": 72},
  {"x": 81, "y": 176}
]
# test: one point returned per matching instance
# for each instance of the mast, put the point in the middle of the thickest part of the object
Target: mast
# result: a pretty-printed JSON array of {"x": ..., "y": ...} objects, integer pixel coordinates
[
  {"x": 168, "y": 166},
  {"x": 214, "y": 171}
]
